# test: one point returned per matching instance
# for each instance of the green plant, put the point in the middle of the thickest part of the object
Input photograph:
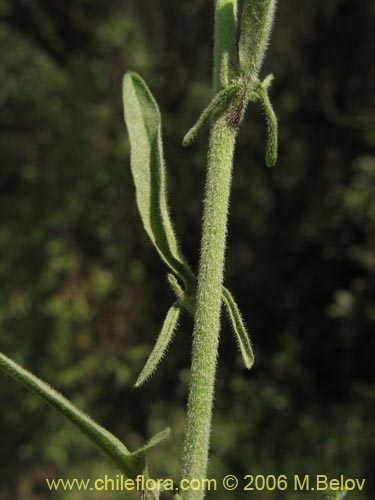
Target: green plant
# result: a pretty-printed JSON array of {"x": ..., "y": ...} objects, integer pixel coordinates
[{"x": 236, "y": 84}]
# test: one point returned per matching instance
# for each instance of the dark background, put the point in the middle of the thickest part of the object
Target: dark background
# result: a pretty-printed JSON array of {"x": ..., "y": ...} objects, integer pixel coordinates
[{"x": 83, "y": 292}]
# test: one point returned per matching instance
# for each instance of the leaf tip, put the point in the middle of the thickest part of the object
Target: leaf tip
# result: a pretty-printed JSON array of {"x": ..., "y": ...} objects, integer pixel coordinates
[
  {"x": 249, "y": 363},
  {"x": 187, "y": 140},
  {"x": 127, "y": 79},
  {"x": 141, "y": 380},
  {"x": 131, "y": 75},
  {"x": 270, "y": 161}
]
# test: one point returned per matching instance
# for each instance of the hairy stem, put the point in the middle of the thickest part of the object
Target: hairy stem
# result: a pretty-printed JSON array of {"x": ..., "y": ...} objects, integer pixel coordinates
[{"x": 210, "y": 277}]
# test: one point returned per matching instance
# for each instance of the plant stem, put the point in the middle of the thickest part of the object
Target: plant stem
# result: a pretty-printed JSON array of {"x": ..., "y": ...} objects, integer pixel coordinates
[{"x": 210, "y": 277}]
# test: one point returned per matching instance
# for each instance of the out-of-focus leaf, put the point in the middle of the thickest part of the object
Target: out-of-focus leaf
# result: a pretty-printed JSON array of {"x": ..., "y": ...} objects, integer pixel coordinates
[{"x": 159, "y": 438}]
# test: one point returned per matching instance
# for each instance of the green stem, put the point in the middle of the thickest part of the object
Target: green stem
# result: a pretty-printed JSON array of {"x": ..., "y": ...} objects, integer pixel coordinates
[{"x": 210, "y": 277}]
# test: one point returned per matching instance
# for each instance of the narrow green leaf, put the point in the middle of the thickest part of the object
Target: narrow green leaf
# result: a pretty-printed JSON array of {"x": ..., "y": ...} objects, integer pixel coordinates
[
  {"x": 102, "y": 438},
  {"x": 243, "y": 341},
  {"x": 266, "y": 83},
  {"x": 272, "y": 133},
  {"x": 257, "y": 20},
  {"x": 182, "y": 297},
  {"x": 218, "y": 104},
  {"x": 157, "y": 439},
  {"x": 143, "y": 121},
  {"x": 162, "y": 343}
]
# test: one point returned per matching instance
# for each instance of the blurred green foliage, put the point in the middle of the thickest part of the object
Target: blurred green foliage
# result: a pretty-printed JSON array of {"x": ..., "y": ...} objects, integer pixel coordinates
[{"x": 82, "y": 292}]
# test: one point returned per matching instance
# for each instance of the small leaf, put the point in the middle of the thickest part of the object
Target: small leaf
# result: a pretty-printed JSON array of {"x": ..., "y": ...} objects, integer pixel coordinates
[
  {"x": 272, "y": 139},
  {"x": 218, "y": 104},
  {"x": 239, "y": 329},
  {"x": 266, "y": 83},
  {"x": 162, "y": 343},
  {"x": 143, "y": 121},
  {"x": 257, "y": 20},
  {"x": 102, "y": 438},
  {"x": 159, "y": 438}
]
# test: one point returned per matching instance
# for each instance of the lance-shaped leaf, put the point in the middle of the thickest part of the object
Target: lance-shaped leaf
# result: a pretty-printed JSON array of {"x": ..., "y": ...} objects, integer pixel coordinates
[
  {"x": 266, "y": 83},
  {"x": 143, "y": 121},
  {"x": 243, "y": 341},
  {"x": 102, "y": 438},
  {"x": 272, "y": 133},
  {"x": 159, "y": 438},
  {"x": 257, "y": 20},
  {"x": 162, "y": 343}
]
